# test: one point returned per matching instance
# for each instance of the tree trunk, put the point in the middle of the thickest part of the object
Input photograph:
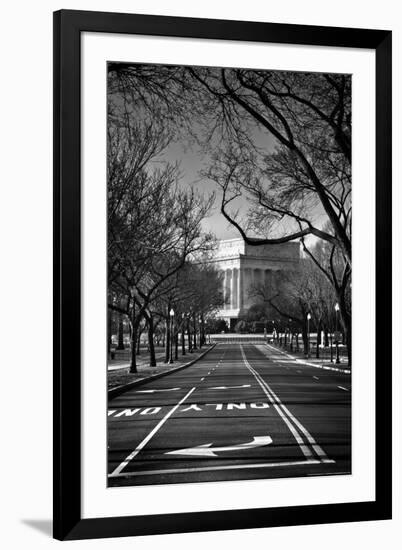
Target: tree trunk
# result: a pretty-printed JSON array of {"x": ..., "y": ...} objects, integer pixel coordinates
[
  {"x": 183, "y": 343},
  {"x": 190, "y": 347},
  {"x": 109, "y": 331},
  {"x": 347, "y": 325},
  {"x": 140, "y": 331},
  {"x": 202, "y": 332},
  {"x": 152, "y": 358},
  {"x": 317, "y": 346},
  {"x": 120, "y": 344},
  {"x": 305, "y": 339},
  {"x": 134, "y": 331}
]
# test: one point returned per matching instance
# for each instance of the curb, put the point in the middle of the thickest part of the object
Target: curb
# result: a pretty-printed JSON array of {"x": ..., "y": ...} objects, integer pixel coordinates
[
  {"x": 114, "y": 392},
  {"x": 315, "y": 365}
]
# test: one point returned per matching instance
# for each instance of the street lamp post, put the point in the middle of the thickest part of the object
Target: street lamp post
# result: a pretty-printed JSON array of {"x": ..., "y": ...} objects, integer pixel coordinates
[
  {"x": 308, "y": 334},
  {"x": 336, "y": 333},
  {"x": 171, "y": 314}
]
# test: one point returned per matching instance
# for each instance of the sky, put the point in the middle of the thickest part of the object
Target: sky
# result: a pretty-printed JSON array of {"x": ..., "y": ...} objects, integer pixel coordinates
[{"x": 192, "y": 161}]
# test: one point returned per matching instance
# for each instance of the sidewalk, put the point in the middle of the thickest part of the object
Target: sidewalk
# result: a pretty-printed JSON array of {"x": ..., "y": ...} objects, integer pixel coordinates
[
  {"x": 322, "y": 363},
  {"x": 142, "y": 360},
  {"x": 119, "y": 375}
]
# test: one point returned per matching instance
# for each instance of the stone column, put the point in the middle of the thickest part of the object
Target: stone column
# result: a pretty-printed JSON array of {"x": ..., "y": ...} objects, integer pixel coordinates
[
  {"x": 240, "y": 284},
  {"x": 224, "y": 289},
  {"x": 246, "y": 286},
  {"x": 235, "y": 287},
  {"x": 257, "y": 278},
  {"x": 232, "y": 291},
  {"x": 278, "y": 279},
  {"x": 228, "y": 288}
]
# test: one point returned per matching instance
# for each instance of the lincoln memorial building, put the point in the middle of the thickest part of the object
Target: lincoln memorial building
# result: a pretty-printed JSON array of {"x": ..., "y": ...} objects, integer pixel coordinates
[{"x": 246, "y": 266}]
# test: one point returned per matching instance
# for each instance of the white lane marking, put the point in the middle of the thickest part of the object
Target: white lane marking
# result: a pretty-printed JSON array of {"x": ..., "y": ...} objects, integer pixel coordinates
[
  {"x": 320, "y": 452},
  {"x": 306, "y": 451},
  {"x": 141, "y": 445},
  {"x": 153, "y": 391},
  {"x": 318, "y": 449},
  {"x": 316, "y": 377},
  {"x": 286, "y": 361},
  {"x": 301, "y": 362},
  {"x": 202, "y": 378},
  {"x": 230, "y": 387},
  {"x": 226, "y": 467},
  {"x": 342, "y": 388},
  {"x": 207, "y": 450}
]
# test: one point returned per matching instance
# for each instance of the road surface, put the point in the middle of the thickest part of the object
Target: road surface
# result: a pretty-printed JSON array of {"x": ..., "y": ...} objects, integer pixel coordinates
[{"x": 244, "y": 411}]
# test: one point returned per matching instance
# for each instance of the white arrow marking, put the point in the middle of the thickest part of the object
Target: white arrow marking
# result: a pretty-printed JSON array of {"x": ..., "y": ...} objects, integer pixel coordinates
[
  {"x": 207, "y": 450},
  {"x": 230, "y": 387},
  {"x": 153, "y": 391}
]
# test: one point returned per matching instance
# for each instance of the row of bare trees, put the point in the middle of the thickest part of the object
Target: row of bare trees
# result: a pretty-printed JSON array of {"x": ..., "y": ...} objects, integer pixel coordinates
[
  {"x": 307, "y": 290},
  {"x": 156, "y": 244},
  {"x": 278, "y": 141}
]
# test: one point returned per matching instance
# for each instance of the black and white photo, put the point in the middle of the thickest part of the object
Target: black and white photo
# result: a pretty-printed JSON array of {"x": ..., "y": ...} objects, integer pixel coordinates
[{"x": 229, "y": 230}]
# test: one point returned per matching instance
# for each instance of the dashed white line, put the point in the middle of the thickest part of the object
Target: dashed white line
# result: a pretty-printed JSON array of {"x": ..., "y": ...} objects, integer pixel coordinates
[
  {"x": 342, "y": 388},
  {"x": 316, "y": 377}
]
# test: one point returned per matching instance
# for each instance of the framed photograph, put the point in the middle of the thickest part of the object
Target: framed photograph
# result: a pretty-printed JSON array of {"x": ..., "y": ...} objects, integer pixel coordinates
[{"x": 214, "y": 366}]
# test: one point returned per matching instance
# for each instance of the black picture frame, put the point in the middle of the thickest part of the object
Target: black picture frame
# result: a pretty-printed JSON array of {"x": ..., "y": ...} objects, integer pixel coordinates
[{"x": 68, "y": 26}]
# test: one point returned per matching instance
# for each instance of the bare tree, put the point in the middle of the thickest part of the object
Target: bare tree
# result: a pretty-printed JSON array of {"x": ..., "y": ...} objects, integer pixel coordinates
[{"x": 307, "y": 119}]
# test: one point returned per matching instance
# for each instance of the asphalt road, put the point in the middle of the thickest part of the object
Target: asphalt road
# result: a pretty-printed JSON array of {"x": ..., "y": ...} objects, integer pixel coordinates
[{"x": 242, "y": 412}]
